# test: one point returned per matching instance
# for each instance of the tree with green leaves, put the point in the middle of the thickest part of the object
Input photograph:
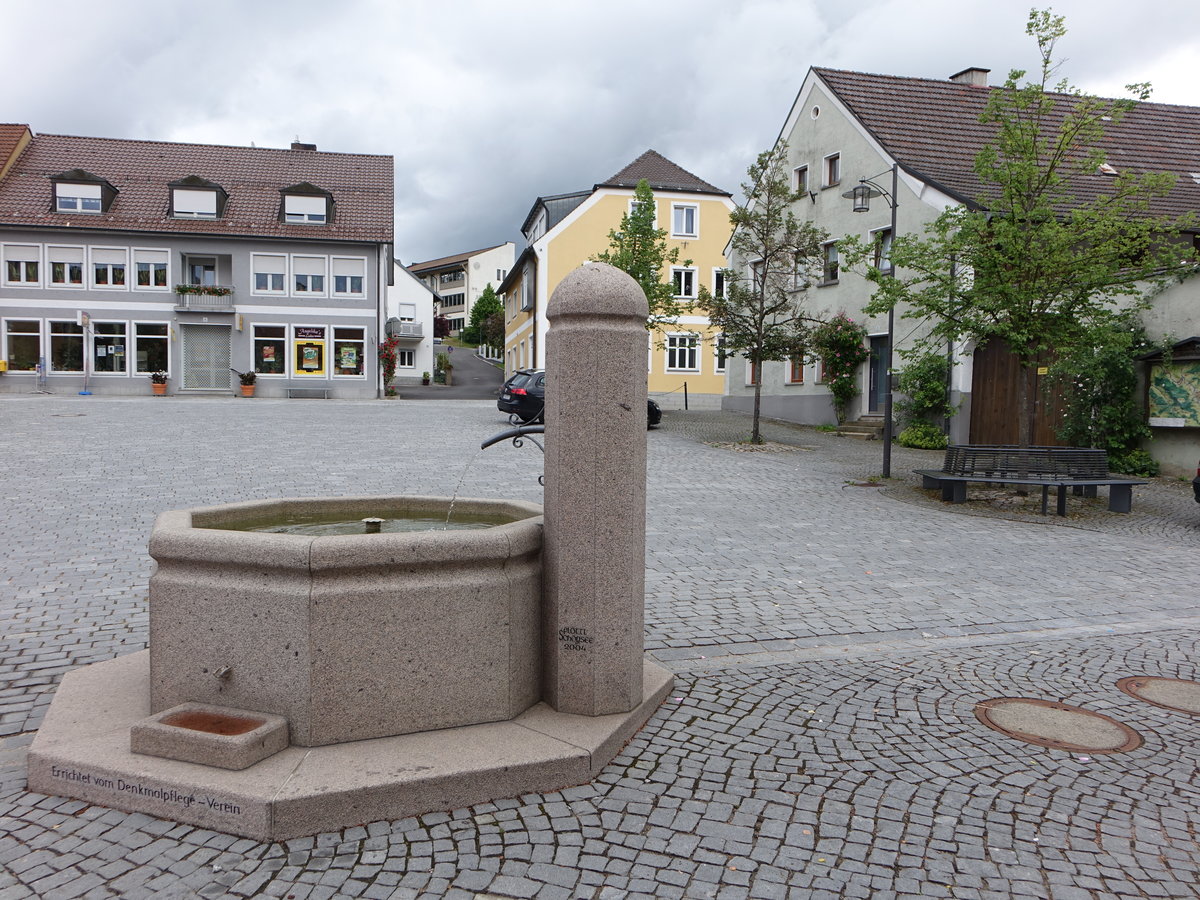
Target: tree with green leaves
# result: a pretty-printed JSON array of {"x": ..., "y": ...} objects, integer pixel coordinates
[
  {"x": 640, "y": 249},
  {"x": 487, "y": 305},
  {"x": 1056, "y": 245},
  {"x": 762, "y": 316}
]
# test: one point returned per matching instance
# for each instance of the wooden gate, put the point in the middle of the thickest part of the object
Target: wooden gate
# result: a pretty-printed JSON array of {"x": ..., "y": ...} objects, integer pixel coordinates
[{"x": 994, "y": 399}]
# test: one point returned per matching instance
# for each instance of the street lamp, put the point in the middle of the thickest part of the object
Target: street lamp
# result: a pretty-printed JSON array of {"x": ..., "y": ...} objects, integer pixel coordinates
[{"x": 861, "y": 194}]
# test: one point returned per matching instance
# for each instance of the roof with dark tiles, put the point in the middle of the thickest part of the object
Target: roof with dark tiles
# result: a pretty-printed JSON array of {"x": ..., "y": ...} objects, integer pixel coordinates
[
  {"x": 932, "y": 129},
  {"x": 361, "y": 186},
  {"x": 662, "y": 174}
]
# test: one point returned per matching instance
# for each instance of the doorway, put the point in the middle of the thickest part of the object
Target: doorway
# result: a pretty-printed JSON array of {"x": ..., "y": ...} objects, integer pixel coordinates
[
  {"x": 877, "y": 380},
  {"x": 206, "y": 357}
]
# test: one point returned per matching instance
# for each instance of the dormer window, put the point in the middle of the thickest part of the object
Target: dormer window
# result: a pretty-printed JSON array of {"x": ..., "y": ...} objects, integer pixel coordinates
[
  {"x": 77, "y": 198},
  {"x": 306, "y": 204},
  {"x": 78, "y": 191},
  {"x": 196, "y": 198},
  {"x": 306, "y": 210}
]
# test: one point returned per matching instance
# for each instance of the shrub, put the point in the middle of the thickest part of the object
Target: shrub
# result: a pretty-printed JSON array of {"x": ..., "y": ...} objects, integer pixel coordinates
[
  {"x": 840, "y": 343},
  {"x": 1134, "y": 462},
  {"x": 923, "y": 384},
  {"x": 923, "y": 436}
]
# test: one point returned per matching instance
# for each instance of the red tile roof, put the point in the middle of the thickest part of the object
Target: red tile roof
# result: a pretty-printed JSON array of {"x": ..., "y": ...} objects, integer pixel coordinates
[
  {"x": 361, "y": 186},
  {"x": 932, "y": 129},
  {"x": 662, "y": 174},
  {"x": 12, "y": 137}
]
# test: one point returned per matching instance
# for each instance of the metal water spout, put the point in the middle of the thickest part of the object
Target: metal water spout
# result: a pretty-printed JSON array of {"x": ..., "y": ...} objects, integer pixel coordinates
[{"x": 371, "y": 525}]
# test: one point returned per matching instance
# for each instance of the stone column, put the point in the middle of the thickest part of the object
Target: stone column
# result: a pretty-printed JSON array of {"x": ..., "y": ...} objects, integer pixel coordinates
[{"x": 594, "y": 556}]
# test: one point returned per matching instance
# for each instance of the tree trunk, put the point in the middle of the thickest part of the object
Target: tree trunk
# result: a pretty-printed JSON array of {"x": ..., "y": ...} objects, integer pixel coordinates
[
  {"x": 755, "y": 437},
  {"x": 1024, "y": 405}
]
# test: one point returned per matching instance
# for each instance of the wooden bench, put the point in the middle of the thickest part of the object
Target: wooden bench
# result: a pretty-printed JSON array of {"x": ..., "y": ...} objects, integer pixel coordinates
[
  {"x": 1082, "y": 469},
  {"x": 307, "y": 392}
]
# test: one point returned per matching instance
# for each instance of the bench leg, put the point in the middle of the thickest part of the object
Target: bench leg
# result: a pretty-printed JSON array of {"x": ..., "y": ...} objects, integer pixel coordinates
[
  {"x": 1120, "y": 498},
  {"x": 954, "y": 491},
  {"x": 930, "y": 483},
  {"x": 1062, "y": 500},
  {"x": 1045, "y": 494},
  {"x": 1089, "y": 490}
]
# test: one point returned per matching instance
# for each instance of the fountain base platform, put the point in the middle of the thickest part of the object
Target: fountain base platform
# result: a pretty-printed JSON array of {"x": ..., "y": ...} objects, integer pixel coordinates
[{"x": 82, "y": 750}]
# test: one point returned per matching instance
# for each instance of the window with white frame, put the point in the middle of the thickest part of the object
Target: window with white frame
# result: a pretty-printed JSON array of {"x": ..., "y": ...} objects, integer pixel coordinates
[
  {"x": 108, "y": 267},
  {"x": 720, "y": 354},
  {"x": 66, "y": 347},
  {"x": 829, "y": 264},
  {"x": 795, "y": 370},
  {"x": 108, "y": 348},
  {"x": 718, "y": 283},
  {"x": 300, "y": 209},
  {"x": 527, "y": 294},
  {"x": 634, "y": 205},
  {"x": 66, "y": 266},
  {"x": 349, "y": 276},
  {"x": 882, "y": 239},
  {"x": 270, "y": 349},
  {"x": 684, "y": 281},
  {"x": 22, "y": 264},
  {"x": 685, "y": 220},
  {"x": 406, "y": 359},
  {"x": 833, "y": 169},
  {"x": 22, "y": 344},
  {"x": 84, "y": 198},
  {"x": 150, "y": 270},
  {"x": 349, "y": 345},
  {"x": 308, "y": 275},
  {"x": 753, "y": 371},
  {"x": 683, "y": 352},
  {"x": 151, "y": 347},
  {"x": 270, "y": 273},
  {"x": 800, "y": 179},
  {"x": 190, "y": 204}
]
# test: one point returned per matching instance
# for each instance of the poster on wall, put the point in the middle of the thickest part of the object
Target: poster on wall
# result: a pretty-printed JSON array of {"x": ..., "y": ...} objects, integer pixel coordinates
[
  {"x": 348, "y": 357},
  {"x": 1175, "y": 395},
  {"x": 268, "y": 353},
  {"x": 309, "y": 357}
]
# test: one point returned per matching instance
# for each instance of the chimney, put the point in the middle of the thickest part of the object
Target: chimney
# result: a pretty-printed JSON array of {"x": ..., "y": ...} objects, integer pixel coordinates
[
  {"x": 975, "y": 77},
  {"x": 296, "y": 145}
]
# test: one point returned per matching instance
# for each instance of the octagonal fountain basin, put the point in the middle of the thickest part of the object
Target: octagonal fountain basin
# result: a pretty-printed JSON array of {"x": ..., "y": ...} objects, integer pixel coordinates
[{"x": 349, "y": 636}]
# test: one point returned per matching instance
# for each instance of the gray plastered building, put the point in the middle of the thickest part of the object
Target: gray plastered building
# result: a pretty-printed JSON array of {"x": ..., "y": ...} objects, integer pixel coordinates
[{"x": 119, "y": 258}]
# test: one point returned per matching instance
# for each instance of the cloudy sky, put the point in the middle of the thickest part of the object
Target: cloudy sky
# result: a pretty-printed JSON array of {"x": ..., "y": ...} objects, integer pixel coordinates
[{"x": 486, "y": 106}]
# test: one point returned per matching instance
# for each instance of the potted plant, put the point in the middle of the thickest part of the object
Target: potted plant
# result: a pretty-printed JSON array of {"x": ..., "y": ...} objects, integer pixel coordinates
[
  {"x": 424, "y": 378},
  {"x": 247, "y": 379},
  {"x": 443, "y": 363},
  {"x": 158, "y": 383}
]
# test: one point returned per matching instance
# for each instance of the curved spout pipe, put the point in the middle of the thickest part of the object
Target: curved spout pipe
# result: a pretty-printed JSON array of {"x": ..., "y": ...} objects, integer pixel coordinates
[{"x": 514, "y": 434}]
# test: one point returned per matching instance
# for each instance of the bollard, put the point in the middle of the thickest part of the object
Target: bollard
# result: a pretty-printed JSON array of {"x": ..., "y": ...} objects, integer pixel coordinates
[{"x": 594, "y": 553}]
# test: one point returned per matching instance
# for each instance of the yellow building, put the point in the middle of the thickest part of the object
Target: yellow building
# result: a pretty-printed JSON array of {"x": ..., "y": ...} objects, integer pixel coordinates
[{"x": 565, "y": 230}]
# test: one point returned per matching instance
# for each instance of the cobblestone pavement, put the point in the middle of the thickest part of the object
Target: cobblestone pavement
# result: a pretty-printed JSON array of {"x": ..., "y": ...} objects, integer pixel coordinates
[{"x": 830, "y": 642}]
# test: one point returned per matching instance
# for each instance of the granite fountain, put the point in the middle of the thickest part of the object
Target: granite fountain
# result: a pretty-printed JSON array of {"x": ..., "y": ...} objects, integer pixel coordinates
[{"x": 299, "y": 682}]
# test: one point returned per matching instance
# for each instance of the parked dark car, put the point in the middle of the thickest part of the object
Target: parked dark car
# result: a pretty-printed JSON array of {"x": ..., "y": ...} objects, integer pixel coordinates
[
  {"x": 1196, "y": 484},
  {"x": 523, "y": 397}
]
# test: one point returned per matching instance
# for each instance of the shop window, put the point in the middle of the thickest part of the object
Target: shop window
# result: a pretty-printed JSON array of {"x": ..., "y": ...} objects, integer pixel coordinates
[
  {"x": 22, "y": 344},
  {"x": 108, "y": 348},
  {"x": 308, "y": 349},
  {"x": 348, "y": 347},
  {"x": 66, "y": 347},
  {"x": 270, "y": 349},
  {"x": 152, "y": 347}
]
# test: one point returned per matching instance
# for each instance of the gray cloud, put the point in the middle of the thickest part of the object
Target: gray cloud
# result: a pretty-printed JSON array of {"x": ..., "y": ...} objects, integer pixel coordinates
[{"x": 485, "y": 105}]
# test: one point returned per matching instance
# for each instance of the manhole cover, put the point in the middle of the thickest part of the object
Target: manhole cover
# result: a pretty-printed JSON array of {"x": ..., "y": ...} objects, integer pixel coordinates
[
  {"x": 1056, "y": 725},
  {"x": 1168, "y": 693}
]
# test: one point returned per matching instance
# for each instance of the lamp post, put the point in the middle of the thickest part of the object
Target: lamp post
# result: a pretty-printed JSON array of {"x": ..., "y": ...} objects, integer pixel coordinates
[{"x": 861, "y": 194}]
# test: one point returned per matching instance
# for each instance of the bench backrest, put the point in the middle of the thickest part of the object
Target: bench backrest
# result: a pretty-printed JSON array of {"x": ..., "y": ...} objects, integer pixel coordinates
[{"x": 1047, "y": 462}]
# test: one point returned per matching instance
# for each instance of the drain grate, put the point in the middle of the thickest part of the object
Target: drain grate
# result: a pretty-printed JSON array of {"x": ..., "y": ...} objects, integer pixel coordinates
[
  {"x": 1056, "y": 725},
  {"x": 1167, "y": 693}
]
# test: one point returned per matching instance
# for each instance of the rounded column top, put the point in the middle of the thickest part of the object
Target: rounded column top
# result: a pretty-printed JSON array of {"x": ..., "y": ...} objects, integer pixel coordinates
[{"x": 598, "y": 289}]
